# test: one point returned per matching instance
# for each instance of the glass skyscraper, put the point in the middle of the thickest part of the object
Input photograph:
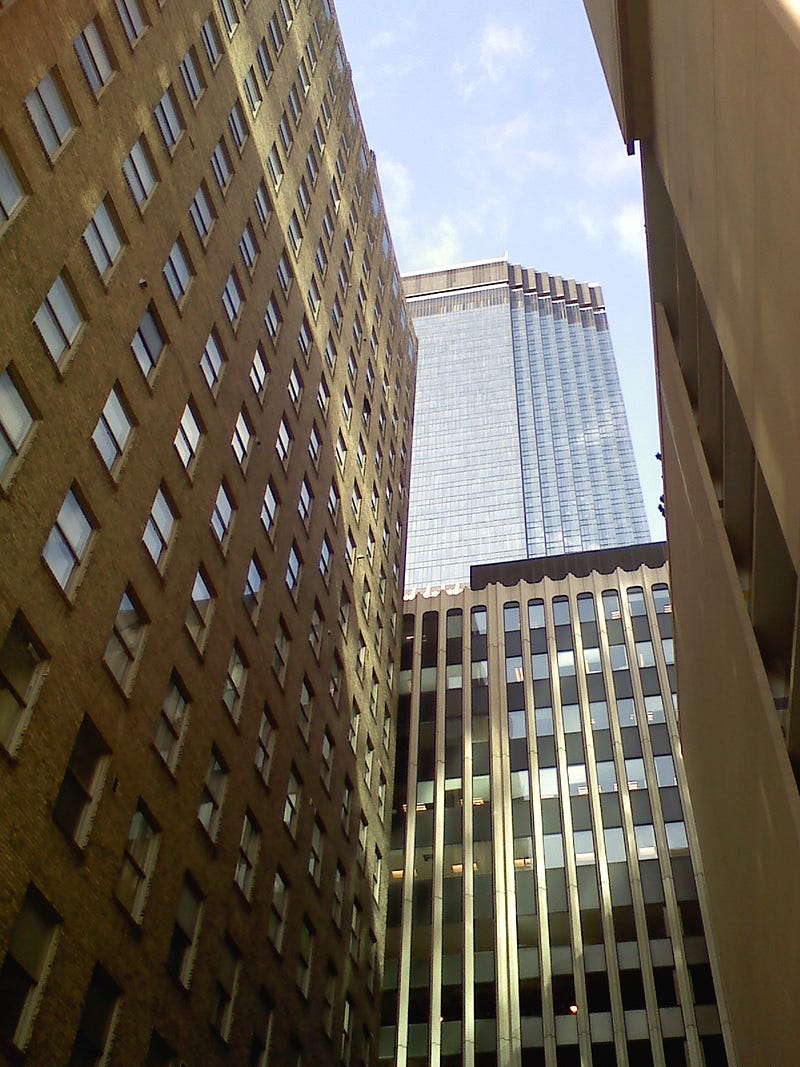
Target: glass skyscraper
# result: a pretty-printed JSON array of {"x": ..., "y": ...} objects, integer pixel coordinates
[{"x": 521, "y": 443}]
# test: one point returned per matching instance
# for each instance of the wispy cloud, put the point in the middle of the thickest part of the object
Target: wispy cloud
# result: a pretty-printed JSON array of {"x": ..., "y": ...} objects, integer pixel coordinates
[
  {"x": 498, "y": 48},
  {"x": 628, "y": 224},
  {"x": 623, "y": 226},
  {"x": 604, "y": 161},
  {"x": 418, "y": 246},
  {"x": 384, "y": 39}
]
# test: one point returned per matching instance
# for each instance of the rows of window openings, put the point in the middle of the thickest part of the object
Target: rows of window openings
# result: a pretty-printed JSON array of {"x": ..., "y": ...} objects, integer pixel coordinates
[
  {"x": 59, "y": 321},
  {"x": 23, "y": 664},
  {"x": 103, "y": 235},
  {"x": 553, "y": 845}
]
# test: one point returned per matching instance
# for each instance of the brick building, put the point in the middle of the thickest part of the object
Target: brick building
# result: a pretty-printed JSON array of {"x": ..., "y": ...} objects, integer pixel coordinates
[{"x": 206, "y": 392}]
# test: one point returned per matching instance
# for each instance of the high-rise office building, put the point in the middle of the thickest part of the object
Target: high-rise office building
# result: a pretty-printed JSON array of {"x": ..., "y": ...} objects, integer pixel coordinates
[
  {"x": 206, "y": 390},
  {"x": 545, "y": 902},
  {"x": 710, "y": 92},
  {"x": 522, "y": 445}
]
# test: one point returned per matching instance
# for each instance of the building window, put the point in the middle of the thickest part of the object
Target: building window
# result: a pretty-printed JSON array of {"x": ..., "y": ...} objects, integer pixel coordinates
[
  {"x": 213, "y": 794},
  {"x": 58, "y": 319},
  {"x": 113, "y": 430},
  {"x": 233, "y": 299},
  {"x": 23, "y": 974},
  {"x": 185, "y": 933},
  {"x": 253, "y": 588},
  {"x": 325, "y": 556},
  {"x": 242, "y": 438},
  {"x": 225, "y": 989},
  {"x": 252, "y": 91},
  {"x": 347, "y": 804},
  {"x": 211, "y": 42},
  {"x": 79, "y": 795},
  {"x": 238, "y": 126},
  {"x": 323, "y": 397},
  {"x": 265, "y": 744},
  {"x": 326, "y": 769},
  {"x": 305, "y": 502},
  {"x": 262, "y": 204},
  {"x": 304, "y": 954},
  {"x": 159, "y": 529},
  {"x": 275, "y": 167},
  {"x": 248, "y": 248},
  {"x": 355, "y": 722},
  {"x": 201, "y": 211},
  {"x": 295, "y": 387},
  {"x": 284, "y": 273},
  {"x": 192, "y": 77},
  {"x": 335, "y": 685},
  {"x": 221, "y": 166},
  {"x": 212, "y": 361},
  {"x": 273, "y": 319},
  {"x": 283, "y": 443},
  {"x": 172, "y": 723},
  {"x": 269, "y": 510},
  {"x": 148, "y": 343},
  {"x": 315, "y": 852},
  {"x": 102, "y": 239},
  {"x": 247, "y": 857},
  {"x": 315, "y": 629},
  {"x": 127, "y": 640},
  {"x": 341, "y": 452},
  {"x": 187, "y": 439},
  {"x": 285, "y": 133},
  {"x": 338, "y": 894},
  {"x": 12, "y": 193},
  {"x": 139, "y": 172},
  {"x": 68, "y": 543},
  {"x": 275, "y": 35},
  {"x": 280, "y": 651},
  {"x": 350, "y": 551},
  {"x": 16, "y": 424},
  {"x": 178, "y": 272},
  {"x": 306, "y": 704},
  {"x": 314, "y": 445},
  {"x": 280, "y": 905},
  {"x": 222, "y": 515},
  {"x": 293, "y": 100},
  {"x": 235, "y": 681},
  {"x": 200, "y": 610},
  {"x": 133, "y": 22},
  {"x": 23, "y": 664},
  {"x": 138, "y": 862},
  {"x": 291, "y": 807},
  {"x": 169, "y": 119},
  {"x": 229, "y": 17},
  {"x": 50, "y": 113},
  {"x": 100, "y": 1010},
  {"x": 93, "y": 57}
]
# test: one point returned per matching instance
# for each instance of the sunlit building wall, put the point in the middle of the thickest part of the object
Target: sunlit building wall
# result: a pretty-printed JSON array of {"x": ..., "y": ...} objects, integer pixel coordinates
[
  {"x": 521, "y": 442},
  {"x": 206, "y": 393}
]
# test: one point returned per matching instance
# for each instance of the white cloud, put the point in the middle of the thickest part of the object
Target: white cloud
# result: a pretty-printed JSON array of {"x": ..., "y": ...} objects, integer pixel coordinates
[
  {"x": 418, "y": 247},
  {"x": 384, "y": 39},
  {"x": 498, "y": 48},
  {"x": 628, "y": 225},
  {"x": 604, "y": 161}
]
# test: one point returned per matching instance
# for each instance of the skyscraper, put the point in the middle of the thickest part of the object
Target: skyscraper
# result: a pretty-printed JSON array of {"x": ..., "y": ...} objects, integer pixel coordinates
[
  {"x": 706, "y": 92},
  {"x": 206, "y": 388},
  {"x": 522, "y": 445}
]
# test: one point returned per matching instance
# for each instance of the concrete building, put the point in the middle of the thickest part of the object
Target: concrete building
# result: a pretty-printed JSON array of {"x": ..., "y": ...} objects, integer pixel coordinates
[
  {"x": 544, "y": 905},
  {"x": 710, "y": 91},
  {"x": 522, "y": 445},
  {"x": 206, "y": 392}
]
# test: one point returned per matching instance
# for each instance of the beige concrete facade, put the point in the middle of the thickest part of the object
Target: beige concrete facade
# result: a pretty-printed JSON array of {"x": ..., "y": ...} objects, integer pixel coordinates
[
  {"x": 718, "y": 147},
  {"x": 206, "y": 394}
]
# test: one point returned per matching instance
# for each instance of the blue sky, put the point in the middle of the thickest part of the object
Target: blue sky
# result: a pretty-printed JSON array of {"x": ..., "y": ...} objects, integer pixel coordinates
[{"x": 494, "y": 134}]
